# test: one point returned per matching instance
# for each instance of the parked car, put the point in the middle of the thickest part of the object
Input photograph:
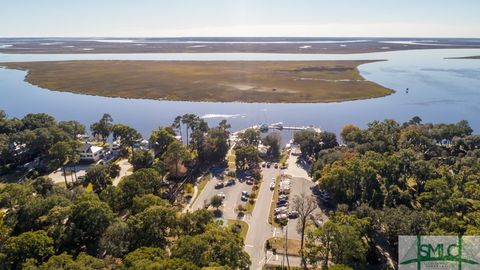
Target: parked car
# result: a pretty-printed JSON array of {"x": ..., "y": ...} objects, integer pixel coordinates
[
  {"x": 244, "y": 198},
  {"x": 293, "y": 214},
  {"x": 269, "y": 165},
  {"x": 280, "y": 204},
  {"x": 272, "y": 186},
  {"x": 283, "y": 196},
  {"x": 324, "y": 197},
  {"x": 249, "y": 182},
  {"x": 264, "y": 164},
  {"x": 221, "y": 195},
  {"x": 318, "y": 223},
  {"x": 284, "y": 191},
  {"x": 286, "y": 185},
  {"x": 280, "y": 210},
  {"x": 282, "y": 201},
  {"x": 219, "y": 185},
  {"x": 281, "y": 216},
  {"x": 245, "y": 193},
  {"x": 231, "y": 182},
  {"x": 276, "y": 165}
]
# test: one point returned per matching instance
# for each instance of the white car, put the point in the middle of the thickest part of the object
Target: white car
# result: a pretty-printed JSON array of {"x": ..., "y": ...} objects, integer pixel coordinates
[
  {"x": 281, "y": 216},
  {"x": 221, "y": 195},
  {"x": 280, "y": 210},
  {"x": 272, "y": 186}
]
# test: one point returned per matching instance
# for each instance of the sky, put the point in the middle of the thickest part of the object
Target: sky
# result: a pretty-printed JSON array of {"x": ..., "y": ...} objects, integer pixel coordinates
[{"x": 187, "y": 18}]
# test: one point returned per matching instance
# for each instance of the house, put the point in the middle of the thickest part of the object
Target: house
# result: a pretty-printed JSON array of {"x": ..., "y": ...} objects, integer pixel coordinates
[{"x": 91, "y": 153}]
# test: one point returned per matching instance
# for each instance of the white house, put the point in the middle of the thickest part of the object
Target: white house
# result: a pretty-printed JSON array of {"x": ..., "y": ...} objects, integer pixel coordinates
[{"x": 91, "y": 153}]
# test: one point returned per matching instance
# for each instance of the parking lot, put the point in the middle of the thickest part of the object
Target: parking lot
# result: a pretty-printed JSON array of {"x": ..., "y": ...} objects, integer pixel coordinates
[
  {"x": 300, "y": 187},
  {"x": 259, "y": 228},
  {"x": 233, "y": 196}
]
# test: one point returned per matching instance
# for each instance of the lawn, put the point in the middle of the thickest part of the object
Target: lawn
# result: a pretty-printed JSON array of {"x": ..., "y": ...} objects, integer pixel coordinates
[
  {"x": 271, "y": 217},
  {"x": 243, "y": 225},
  {"x": 201, "y": 185},
  {"x": 231, "y": 161},
  {"x": 278, "y": 243},
  {"x": 284, "y": 157},
  {"x": 250, "y": 206},
  {"x": 218, "y": 81}
]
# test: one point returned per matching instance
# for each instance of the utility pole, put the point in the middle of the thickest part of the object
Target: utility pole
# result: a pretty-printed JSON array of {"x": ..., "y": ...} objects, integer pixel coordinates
[
  {"x": 286, "y": 246},
  {"x": 283, "y": 257}
]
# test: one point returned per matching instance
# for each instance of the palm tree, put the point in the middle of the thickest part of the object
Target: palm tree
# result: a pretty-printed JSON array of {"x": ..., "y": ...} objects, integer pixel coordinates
[
  {"x": 177, "y": 124},
  {"x": 189, "y": 121}
]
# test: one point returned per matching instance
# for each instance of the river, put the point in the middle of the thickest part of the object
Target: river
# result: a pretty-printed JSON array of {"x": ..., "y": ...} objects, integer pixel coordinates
[{"x": 440, "y": 90}]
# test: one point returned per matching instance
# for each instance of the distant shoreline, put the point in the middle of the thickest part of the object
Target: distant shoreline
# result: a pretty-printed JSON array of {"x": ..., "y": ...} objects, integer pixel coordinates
[
  {"x": 227, "y": 81},
  {"x": 467, "y": 57},
  {"x": 227, "y": 45}
]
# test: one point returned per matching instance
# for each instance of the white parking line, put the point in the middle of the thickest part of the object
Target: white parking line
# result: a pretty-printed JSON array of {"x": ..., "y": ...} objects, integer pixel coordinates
[{"x": 250, "y": 246}]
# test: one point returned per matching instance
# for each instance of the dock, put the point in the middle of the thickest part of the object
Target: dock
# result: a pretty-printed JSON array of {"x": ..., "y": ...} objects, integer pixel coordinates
[{"x": 278, "y": 126}]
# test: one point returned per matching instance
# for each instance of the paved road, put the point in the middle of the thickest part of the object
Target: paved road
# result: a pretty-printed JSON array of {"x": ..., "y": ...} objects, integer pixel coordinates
[{"x": 259, "y": 228}]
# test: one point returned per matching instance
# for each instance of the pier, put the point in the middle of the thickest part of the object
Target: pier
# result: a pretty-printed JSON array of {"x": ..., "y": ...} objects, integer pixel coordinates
[{"x": 279, "y": 126}]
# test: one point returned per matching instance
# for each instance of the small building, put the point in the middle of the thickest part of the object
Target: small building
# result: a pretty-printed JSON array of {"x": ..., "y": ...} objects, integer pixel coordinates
[{"x": 91, "y": 153}]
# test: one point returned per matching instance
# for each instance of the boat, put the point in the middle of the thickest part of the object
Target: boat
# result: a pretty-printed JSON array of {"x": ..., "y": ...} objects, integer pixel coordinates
[{"x": 263, "y": 128}]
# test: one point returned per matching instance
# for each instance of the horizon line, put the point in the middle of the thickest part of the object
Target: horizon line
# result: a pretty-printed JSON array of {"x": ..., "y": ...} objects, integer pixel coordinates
[{"x": 212, "y": 36}]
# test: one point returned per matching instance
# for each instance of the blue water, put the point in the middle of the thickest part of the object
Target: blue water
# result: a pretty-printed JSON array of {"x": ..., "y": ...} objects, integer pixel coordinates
[{"x": 440, "y": 90}]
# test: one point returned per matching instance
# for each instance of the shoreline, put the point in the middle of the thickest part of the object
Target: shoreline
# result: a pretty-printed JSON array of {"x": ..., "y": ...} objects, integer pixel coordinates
[
  {"x": 466, "y": 57},
  {"x": 300, "y": 47}
]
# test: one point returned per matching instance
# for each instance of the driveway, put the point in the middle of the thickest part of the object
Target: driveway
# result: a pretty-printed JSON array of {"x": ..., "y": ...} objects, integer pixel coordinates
[
  {"x": 57, "y": 175},
  {"x": 125, "y": 170}
]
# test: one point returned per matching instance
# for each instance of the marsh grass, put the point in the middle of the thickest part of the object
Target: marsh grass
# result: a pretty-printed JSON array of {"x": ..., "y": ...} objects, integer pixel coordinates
[{"x": 219, "y": 81}]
